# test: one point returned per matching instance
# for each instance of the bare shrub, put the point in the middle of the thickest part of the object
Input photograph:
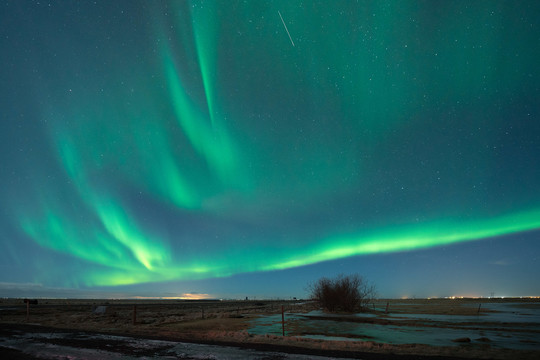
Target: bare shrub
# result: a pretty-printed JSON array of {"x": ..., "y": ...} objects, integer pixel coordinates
[{"x": 344, "y": 293}]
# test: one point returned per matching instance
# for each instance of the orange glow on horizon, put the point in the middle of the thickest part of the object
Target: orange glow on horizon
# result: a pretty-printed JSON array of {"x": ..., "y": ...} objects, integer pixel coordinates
[
  {"x": 184, "y": 296},
  {"x": 189, "y": 296}
]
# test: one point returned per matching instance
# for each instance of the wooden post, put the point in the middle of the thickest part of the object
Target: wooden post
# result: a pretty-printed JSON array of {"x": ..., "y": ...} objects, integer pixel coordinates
[
  {"x": 479, "y": 306},
  {"x": 282, "y": 321},
  {"x": 387, "y": 307},
  {"x": 134, "y": 314},
  {"x": 27, "y": 310},
  {"x": 202, "y": 311}
]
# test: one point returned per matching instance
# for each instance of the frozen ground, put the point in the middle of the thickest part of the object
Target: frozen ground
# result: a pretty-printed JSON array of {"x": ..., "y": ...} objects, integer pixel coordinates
[
  {"x": 416, "y": 328},
  {"x": 499, "y": 325},
  {"x": 107, "y": 347}
]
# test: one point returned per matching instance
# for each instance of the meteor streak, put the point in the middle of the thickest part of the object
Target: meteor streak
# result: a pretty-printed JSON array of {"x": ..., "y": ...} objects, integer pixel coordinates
[{"x": 287, "y": 30}]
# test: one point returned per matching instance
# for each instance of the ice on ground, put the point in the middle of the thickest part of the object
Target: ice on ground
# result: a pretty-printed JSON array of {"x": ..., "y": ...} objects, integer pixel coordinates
[
  {"x": 37, "y": 345},
  {"x": 511, "y": 326}
]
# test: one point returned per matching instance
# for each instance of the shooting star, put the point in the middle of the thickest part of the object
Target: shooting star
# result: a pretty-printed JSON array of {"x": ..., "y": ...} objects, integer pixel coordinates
[{"x": 287, "y": 30}]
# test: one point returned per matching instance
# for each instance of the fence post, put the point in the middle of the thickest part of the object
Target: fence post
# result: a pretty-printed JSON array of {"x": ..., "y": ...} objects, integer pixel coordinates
[
  {"x": 134, "y": 314},
  {"x": 282, "y": 321},
  {"x": 27, "y": 310}
]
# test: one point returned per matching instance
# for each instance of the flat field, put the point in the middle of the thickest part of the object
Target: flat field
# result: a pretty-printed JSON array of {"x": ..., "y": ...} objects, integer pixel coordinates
[{"x": 451, "y": 328}]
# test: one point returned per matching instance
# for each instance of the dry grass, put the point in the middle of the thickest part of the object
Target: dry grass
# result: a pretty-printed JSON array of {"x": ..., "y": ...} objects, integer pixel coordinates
[
  {"x": 228, "y": 321},
  {"x": 435, "y": 306}
]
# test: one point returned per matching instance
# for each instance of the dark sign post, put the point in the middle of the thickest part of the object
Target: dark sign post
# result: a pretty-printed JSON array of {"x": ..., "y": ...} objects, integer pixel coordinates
[
  {"x": 282, "y": 321},
  {"x": 28, "y": 302}
]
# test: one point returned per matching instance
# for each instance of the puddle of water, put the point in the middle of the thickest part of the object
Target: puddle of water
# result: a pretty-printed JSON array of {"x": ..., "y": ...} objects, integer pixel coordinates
[
  {"x": 514, "y": 312},
  {"x": 513, "y": 326}
]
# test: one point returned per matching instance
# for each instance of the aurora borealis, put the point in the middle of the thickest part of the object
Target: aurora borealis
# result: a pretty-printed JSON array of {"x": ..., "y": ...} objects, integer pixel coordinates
[{"x": 170, "y": 147}]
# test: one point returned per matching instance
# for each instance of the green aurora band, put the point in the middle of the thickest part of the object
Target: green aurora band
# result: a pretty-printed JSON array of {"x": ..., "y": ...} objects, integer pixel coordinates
[
  {"x": 191, "y": 143},
  {"x": 125, "y": 272}
]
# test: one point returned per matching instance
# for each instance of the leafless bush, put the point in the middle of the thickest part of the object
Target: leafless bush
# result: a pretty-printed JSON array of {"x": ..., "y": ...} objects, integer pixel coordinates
[{"x": 344, "y": 293}]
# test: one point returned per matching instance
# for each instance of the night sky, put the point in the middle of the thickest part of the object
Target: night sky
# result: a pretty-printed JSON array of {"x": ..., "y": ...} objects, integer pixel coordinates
[{"x": 247, "y": 148}]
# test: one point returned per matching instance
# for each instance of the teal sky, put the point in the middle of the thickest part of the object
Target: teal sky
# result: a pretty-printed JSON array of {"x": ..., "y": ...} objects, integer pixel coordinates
[{"x": 175, "y": 147}]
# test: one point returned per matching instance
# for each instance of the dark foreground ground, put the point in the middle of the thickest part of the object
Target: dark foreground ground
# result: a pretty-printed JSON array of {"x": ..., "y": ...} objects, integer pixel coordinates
[
  {"x": 172, "y": 330},
  {"x": 119, "y": 346}
]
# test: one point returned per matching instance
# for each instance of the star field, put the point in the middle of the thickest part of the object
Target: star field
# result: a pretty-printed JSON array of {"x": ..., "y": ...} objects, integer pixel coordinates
[{"x": 189, "y": 146}]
